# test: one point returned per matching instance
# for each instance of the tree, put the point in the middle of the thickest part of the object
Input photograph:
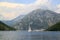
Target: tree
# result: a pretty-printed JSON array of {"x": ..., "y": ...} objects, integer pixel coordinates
[{"x": 55, "y": 27}]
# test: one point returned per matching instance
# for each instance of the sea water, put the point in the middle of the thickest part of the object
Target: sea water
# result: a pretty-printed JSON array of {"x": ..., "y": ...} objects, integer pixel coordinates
[{"x": 24, "y": 35}]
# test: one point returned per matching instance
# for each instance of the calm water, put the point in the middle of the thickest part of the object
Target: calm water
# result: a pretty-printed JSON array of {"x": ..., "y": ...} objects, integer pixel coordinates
[{"x": 23, "y": 35}]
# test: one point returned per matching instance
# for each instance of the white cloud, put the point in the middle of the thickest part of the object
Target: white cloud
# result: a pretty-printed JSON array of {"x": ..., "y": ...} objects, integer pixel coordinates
[
  {"x": 39, "y": 4},
  {"x": 9, "y": 11},
  {"x": 11, "y": 5},
  {"x": 58, "y": 9}
]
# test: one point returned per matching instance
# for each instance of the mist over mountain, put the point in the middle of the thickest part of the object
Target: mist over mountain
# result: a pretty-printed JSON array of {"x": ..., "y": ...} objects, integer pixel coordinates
[
  {"x": 12, "y": 22},
  {"x": 38, "y": 19}
]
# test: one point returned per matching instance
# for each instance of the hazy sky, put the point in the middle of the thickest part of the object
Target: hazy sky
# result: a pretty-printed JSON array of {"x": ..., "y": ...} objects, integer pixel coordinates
[
  {"x": 18, "y": 1},
  {"x": 10, "y": 9},
  {"x": 28, "y": 1}
]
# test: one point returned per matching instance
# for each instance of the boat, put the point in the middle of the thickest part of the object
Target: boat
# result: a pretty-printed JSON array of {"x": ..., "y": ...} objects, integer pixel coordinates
[{"x": 29, "y": 30}]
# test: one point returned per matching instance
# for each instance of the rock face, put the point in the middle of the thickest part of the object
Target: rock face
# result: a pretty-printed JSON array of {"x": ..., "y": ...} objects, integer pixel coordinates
[
  {"x": 55, "y": 27},
  {"x": 4, "y": 27},
  {"x": 38, "y": 19}
]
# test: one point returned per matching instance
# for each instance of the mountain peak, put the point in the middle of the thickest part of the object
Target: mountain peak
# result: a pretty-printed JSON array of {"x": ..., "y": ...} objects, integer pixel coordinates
[{"x": 37, "y": 19}]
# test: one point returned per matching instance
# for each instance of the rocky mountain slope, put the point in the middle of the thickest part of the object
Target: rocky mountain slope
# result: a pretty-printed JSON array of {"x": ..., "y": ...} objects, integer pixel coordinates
[
  {"x": 38, "y": 19},
  {"x": 12, "y": 22}
]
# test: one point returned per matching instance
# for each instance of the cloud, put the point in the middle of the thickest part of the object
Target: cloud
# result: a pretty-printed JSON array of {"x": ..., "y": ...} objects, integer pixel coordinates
[
  {"x": 11, "y": 5},
  {"x": 9, "y": 11},
  {"x": 8, "y": 16},
  {"x": 57, "y": 8},
  {"x": 39, "y": 4}
]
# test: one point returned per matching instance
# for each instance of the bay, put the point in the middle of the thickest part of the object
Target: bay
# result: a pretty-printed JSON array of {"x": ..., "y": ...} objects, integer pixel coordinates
[{"x": 24, "y": 35}]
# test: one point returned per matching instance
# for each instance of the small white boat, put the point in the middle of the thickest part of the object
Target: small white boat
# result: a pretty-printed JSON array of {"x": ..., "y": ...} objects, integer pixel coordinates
[{"x": 29, "y": 30}]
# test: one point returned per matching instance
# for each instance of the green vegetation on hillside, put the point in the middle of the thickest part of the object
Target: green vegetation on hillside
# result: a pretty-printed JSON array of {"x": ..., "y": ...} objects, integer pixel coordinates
[
  {"x": 4, "y": 27},
  {"x": 55, "y": 27}
]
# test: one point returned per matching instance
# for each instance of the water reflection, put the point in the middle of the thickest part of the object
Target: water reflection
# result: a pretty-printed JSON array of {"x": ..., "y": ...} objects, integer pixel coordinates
[{"x": 18, "y": 35}]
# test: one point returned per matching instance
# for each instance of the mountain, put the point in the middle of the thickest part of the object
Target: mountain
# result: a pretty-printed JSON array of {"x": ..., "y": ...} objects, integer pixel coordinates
[
  {"x": 12, "y": 22},
  {"x": 55, "y": 27},
  {"x": 38, "y": 19},
  {"x": 4, "y": 27}
]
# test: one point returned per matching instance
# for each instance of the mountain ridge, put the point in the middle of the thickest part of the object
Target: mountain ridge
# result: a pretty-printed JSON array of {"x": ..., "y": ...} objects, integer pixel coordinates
[
  {"x": 38, "y": 19},
  {"x": 11, "y": 22},
  {"x": 4, "y": 27}
]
